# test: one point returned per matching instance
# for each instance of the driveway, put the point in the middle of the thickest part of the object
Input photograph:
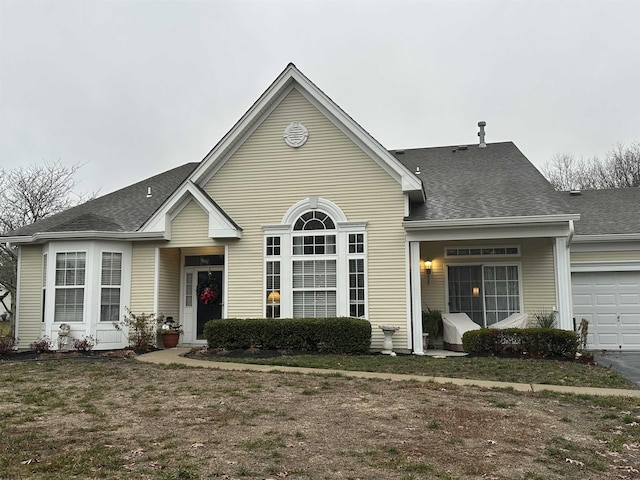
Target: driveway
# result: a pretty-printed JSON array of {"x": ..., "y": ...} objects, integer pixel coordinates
[{"x": 626, "y": 363}]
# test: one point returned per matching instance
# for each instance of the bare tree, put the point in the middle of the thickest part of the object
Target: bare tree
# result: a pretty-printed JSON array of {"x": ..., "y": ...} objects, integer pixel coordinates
[
  {"x": 29, "y": 194},
  {"x": 620, "y": 168}
]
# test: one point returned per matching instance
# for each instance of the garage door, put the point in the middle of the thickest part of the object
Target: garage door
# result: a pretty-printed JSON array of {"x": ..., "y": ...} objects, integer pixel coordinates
[{"x": 610, "y": 301}]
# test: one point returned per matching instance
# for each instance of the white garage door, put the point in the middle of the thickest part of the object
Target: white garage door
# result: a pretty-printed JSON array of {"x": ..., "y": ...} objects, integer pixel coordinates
[{"x": 610, "y": 301}]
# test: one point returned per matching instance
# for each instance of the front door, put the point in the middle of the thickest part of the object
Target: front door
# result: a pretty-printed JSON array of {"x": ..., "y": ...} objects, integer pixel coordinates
[{"x": 208, "y": 298}]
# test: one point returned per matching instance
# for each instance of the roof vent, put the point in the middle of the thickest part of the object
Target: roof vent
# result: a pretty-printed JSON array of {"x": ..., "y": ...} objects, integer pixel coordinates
[
  {"x": 417, "y": 170},
  {"x": 149, "y": 194},
  {"x": 463, "y": 147},
  {"x": 575, "y": 193},
  {"x": 481, "y": 134},
  {"x": 399, "y": 152}
]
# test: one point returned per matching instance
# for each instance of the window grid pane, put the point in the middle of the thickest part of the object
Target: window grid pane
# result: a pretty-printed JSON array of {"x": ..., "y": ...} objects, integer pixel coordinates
[
  {"x": 273, "y": 246},
  {"x": 314, "y": 304},
  {"x": 69, "y": 305},
  {"x": 502, "y": 292},
  {"x": 272, "y": 295},
  {"x": 314, "y": 245},
  {"x": 188, "y": 294},
  {"x": 110, "y": 305},
  {"x": 356, "y": 287},
  {"x": 356, "y": 243}
]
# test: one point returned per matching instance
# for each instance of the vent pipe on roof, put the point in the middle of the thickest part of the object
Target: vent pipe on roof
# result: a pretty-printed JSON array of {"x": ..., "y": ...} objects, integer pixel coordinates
[
  {"x": 149, "y": 194},
  {"x": 481, "y": 134},
  {"x": 417, "y": 170}
]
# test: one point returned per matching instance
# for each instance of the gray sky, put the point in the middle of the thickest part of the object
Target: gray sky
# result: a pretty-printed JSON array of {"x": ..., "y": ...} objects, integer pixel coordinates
[{"x": 134, "y": 88}]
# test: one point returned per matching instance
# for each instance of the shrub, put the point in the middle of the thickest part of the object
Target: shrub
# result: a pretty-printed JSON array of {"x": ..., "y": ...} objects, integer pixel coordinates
[
  {"x": 42, "y": 345},
  {"x": 7, "y": 345},
  {"x": 534, "y": 342},
  {"x": 331, "y": 335},
  {"x": 84, "y": 344},
  {"x": 544, "y": 319},
  {"x": 142, "y": 329}
]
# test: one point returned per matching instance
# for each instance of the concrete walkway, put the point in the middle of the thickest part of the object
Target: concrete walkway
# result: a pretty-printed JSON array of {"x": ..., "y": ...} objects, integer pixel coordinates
[{"x": 174, "y": 355}]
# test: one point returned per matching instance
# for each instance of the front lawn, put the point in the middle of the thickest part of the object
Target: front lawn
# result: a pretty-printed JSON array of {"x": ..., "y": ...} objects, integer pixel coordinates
[
  {"x": 123, "y": 419},
  {"x": 551, "y": 372}
]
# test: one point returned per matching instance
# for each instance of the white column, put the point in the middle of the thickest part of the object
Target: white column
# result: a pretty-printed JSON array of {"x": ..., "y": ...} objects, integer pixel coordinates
[
  {"x": 416, "y": 297},
  {"x": 563, "y": 283}
]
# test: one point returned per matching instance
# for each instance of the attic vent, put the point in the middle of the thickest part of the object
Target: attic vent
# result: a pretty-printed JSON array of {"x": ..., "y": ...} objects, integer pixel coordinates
[
  {"x": 575, "y": 193},
  {"x": 417, "y": 170},
  {"x": 149, "y": 194}
]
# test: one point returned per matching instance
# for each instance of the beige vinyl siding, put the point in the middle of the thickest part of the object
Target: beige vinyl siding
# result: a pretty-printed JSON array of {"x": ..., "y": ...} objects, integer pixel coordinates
[
  {"x": 29, "y": 301},
  {"x": 143, "y": 265},
  {"x": 169, "y": 283},
  {"x": 538, "y": 273},
  {"x": 609, "y": 256},
  {"x": 265, "y": 177},
  {"x": 190, "y": 228}
]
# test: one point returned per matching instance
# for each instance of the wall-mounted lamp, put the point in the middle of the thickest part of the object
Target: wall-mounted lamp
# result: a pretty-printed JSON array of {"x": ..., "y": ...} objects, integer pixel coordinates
[
  {"x": 475, "y": 291},
  {"x": 427, "y": 269}
]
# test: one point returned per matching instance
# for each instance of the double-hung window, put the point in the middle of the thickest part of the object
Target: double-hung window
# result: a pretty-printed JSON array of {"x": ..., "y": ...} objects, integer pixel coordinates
[
  {"x": 314, "y": 266},
  {"x": 110, "y": 286},
  {"x": 69, "y": 284}
]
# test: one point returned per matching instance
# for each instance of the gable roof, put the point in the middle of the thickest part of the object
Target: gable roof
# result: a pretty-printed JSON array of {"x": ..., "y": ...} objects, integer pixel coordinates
[
  {"x": 291, "y": 78},
  {"x": 465, "y": 182},
  {"x": 124, "y": 210},
  {"x": 612, "y": 211}
]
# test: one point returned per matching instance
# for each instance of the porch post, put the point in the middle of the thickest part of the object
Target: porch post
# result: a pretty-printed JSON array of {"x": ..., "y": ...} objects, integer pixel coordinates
[
  {"x": 563, "y": 283},
  {"x": 416, "y": 297}
]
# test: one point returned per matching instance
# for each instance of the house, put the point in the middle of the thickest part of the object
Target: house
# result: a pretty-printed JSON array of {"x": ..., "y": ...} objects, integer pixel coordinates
[
  {"x": 299, "y": 212},
  {"x": 605, "y": 266}
]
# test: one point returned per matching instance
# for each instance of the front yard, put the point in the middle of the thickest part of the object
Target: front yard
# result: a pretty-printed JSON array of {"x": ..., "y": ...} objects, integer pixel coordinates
[
  {"x": 551, "y": 372},
  {"x": 125, "y": 419}
]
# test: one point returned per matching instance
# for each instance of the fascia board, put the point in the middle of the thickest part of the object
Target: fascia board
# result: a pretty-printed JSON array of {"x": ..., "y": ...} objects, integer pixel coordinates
[
  {"x": 488, "y": 232},
  {"x": 618, "y": 237},
  {"x": 487, "y": 221},
  {"x": 87, "y": 235},
  {"x": 217, "y": 221}
]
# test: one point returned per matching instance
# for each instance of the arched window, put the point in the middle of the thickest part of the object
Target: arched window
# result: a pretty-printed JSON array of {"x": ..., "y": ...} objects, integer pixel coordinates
[{"x": 315, "y": 263}]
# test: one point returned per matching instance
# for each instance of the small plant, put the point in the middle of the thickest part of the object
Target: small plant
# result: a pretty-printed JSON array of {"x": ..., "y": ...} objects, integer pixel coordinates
[
  {"x": 142, "y": 329},
  {"x": 7, "y": 345},
  {"x": 431, "y": 321},
  {"x": 544, "y": 319},
  {"x": 169, "y": 326},
  {"x": 583, "y": 331},
  {"x": 42, "y": 345},
  {"x": 84, "y": 344}
]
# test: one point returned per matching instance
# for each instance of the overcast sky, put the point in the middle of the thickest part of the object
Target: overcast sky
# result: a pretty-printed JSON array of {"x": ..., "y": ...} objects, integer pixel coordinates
[{"x": 133, "y": 88}]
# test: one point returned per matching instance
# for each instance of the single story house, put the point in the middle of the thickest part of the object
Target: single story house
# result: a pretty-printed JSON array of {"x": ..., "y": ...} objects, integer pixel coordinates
[{"x": 299, "y": 212}]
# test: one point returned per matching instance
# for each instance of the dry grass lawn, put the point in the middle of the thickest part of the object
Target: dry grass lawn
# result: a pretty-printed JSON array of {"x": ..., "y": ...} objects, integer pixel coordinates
[{"x": 122, "y": 419}]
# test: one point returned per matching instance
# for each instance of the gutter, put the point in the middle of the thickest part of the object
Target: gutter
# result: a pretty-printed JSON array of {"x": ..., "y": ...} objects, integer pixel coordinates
[
  {"x": 611, "y": 237},
  {"x": 489, "y": 221},
  {"x": 92, "y": 235}
]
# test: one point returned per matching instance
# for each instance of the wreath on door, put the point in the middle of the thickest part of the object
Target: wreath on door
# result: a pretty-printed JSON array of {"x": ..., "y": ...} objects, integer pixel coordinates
[{"x": 208, "y": 290}]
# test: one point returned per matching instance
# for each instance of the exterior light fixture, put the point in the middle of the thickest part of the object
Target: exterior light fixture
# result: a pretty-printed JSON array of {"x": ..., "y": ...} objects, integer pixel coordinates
[
  {"x": 475, "y": 291},
  {"x": 427, "y": 269}
]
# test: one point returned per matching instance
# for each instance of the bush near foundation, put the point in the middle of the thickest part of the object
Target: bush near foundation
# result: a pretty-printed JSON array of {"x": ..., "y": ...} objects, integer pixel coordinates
[
  {"x": 328, "y": 335},
  {"x": 531, "y": 342}
]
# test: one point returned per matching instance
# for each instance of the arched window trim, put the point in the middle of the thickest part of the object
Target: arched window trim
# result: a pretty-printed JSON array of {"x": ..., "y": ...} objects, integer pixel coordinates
[{"x": 314, "y": 203}]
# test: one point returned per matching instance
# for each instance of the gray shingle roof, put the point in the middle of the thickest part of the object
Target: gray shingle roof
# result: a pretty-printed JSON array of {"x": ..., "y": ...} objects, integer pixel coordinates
[
  {"x": 609, "y": 211},
  {"x": 124, "y": 210},
  {"x": 473, "y": 182}
]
